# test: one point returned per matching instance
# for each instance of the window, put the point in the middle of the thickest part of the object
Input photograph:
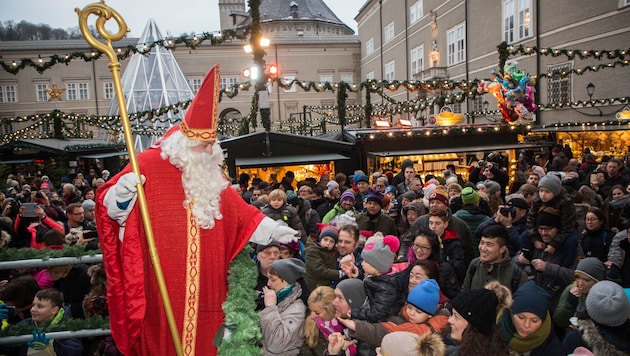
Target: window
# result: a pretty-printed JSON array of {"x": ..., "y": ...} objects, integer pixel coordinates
[
  {"x": 7, "y": 128},
  {"x": 390, "y": 70},
  {"x": 228, "y": 82},
  {"x": 457, "y": 107},
  {"x": 41, "y": 91},
  {"x": 370, "y": 75},
  {"x": 369, "y": 46},
  {"x": 415, "y": 12},
  {"x": 195, "y": 83},
  {"x": 517, "y": 20},
  {"x": 108, "y": 90},
  {"x": 417, "y": 59},
  {"x": 348, "y": 78},
  {"x": 323, "y": 78},
  {"x": 455, "y": 44},
  {"x": 477, "y": 104},
  {"x": 288, "y": 79},
  {"x": 557, "y": 85},
  {"x": 8, "y": 93},
  {"x": 77, "y": 91},
  {"x": 389, "y": 32}
]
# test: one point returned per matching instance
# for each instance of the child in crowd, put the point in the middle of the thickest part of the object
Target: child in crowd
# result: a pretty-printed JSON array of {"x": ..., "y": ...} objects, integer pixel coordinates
[
  {"x": 47, "y": 310},
  {"x": 282, "y": 319},
  {"x": 384, "y": 285},
  {"x": 279, "y": 210},
  {"x": 552, "y": 195},
  {"x": 321, "y": 258},
  {"x": 419, "y": 317}
]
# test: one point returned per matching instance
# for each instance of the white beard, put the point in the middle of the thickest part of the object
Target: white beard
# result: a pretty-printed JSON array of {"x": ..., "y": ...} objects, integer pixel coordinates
[{"x": 202, "y": 177}]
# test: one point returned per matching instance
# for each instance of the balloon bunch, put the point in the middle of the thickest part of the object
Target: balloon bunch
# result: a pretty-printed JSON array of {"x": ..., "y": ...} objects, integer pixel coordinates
[{"x": 514, "y": 91}]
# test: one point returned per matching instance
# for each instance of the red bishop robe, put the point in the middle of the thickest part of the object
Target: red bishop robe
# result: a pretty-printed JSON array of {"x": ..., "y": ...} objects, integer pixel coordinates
[{"x": 194, "y": 262}]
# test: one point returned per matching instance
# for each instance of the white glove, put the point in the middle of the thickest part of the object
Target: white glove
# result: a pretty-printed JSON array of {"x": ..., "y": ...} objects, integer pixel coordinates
[
  {"x": 284, "y": 234},
  {"x": 121, "y": 198}
]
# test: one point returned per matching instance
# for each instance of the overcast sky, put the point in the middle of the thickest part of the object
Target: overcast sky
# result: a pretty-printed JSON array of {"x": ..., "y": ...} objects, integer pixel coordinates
[{"x": 174, "y": 17}]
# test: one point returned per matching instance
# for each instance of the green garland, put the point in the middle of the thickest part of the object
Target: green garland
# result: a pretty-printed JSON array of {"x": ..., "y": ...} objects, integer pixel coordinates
[
  {"x": 66, "y": 324},
  {"x": 239, "y": 307},
  {"x": 16, "y": 254}
]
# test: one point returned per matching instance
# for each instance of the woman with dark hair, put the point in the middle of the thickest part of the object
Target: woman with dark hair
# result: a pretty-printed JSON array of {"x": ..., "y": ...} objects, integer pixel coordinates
[
  {"x": 425, "y": 269},
  {"x": 473, "y": 328},
  {"x": 615, "y": 206},
  {"x": 427, "y": 247},
  {"x": 596, "y": 238}
]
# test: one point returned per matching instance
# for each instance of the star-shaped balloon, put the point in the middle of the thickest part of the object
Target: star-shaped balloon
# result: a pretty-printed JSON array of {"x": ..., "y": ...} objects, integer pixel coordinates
[{"x": 54, "y": 92}]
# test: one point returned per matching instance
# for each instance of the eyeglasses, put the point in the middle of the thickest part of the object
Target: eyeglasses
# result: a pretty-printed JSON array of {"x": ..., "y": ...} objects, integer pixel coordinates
[{"x": 421, "y": 248}]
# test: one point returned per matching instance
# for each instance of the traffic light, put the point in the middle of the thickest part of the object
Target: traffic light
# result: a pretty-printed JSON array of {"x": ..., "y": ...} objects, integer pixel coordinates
[{"x": 272, "y": 71}]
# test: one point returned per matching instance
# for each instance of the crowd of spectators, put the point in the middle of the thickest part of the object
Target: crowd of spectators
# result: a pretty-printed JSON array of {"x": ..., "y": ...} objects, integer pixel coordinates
[{"x": 535, "y": 264}]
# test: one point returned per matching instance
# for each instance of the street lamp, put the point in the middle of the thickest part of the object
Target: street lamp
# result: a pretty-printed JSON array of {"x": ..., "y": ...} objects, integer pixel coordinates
[{"x": 590, "y": 90}]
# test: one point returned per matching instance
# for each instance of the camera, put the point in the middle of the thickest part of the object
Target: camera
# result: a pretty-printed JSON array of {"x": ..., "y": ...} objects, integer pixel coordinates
[
  {"x": 507, "y": 211},
  {"x": 29, "y": 210},
  {"x": 527, "y": 254},
  {"x": 482, "y": 163},
  {"x": 98, "y": 305}
]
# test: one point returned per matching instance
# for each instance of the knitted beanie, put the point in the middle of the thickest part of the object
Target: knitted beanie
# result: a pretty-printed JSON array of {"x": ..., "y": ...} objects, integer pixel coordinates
[
  {"x": 551, "y": 182},
  {"x": 331, "y": 185},
  {"x": 425, "y": 296},
  {"x": 531, "y": 298},
  {"x": 401, "y": 343},
  {"x": 270, "y": 244},
  {"x": 440, "y": 195},
  {"x": 478, "y": 307},
  {"x": 548, "y": 217},
  {"x": 492, "y": 186},
  {"x": 289, "y": 269},
  {"x": 361, "y": 178},
  {"x": 353, "y": 292},
  {"x": 451, "y": 179},
  {"x": 375, "y": 196},
  {"x": 330, "y": 231},
  {"x": 428, "y": 189},
  {"x": 292, "y": 198},
  {"x": 88, "y": 205},
  {"x": 469, "y": 196},
  {"x": 410, "y": 195},
  {"x": 391, "y": 189},
  {"x": 593, "y": 268},
  {"x": 607, "y": 304},
  {"x": 382, "y": 253},
  {"x": 348, "y": 195},
  {"x": 538, "y": 170}
]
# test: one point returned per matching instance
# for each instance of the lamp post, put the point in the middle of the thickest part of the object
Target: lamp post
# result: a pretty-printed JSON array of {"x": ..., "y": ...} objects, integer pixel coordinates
[{"x": 590, "y": 90}]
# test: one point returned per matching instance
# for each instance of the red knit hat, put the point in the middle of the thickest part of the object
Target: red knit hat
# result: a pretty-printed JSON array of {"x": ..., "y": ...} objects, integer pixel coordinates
[{"x": 197, "y": 125}]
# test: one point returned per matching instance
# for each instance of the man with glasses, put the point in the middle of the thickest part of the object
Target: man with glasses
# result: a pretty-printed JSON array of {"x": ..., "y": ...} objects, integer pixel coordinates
[{"x": 550, "y": 271}]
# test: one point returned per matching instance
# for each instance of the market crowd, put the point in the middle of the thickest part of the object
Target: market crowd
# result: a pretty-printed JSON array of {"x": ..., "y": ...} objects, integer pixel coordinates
[{"x": 387, "y": 263}]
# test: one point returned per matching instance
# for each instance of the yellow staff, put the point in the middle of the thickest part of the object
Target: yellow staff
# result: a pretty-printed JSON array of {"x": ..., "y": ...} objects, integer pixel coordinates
[{"x": 104, "y": 13}]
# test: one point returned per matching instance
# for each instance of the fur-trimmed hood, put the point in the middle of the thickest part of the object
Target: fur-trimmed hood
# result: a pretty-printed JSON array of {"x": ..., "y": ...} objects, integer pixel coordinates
[{"x": 603, "y": 342}]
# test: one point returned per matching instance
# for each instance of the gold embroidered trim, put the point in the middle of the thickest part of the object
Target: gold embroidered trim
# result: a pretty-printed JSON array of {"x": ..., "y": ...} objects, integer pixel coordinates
[{"x": 191, "y": 310}]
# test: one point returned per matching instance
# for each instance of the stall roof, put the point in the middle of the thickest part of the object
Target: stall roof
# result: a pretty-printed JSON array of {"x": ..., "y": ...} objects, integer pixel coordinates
[
  {"x": 457, "y": 149},
  {"x": 287, "y": 160},
  {"x": 582, "y": 128},
  {"x": 17, "y": 161},
  {"x": 104, "y": 155}
]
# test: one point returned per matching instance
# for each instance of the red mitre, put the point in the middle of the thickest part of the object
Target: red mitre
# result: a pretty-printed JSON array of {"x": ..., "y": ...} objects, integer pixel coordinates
[{"x": 201, "y": 120}]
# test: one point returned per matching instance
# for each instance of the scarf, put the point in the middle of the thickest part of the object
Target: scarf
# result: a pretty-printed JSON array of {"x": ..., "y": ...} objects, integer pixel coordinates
[
  {"x": 515, "y": 341},
  {"x": 284, "y": 292},
  {"x": 619, "y": 203}
]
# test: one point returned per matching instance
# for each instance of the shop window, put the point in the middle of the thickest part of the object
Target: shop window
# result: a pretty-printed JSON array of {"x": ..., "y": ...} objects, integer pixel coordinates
[
  {"x": 558, "y": 86},
  {"x": 41, "y": 91},
  {"x": 456, "y": 45},
  {"x": 517, "y": 20}
]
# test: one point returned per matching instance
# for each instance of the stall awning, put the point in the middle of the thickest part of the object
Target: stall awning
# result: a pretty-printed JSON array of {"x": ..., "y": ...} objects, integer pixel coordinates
[
  {"x": 583, "y": 128},
  {"x": 104, "y": 155},
  {"x": 17, "y": 161},
  {"x": 516, "y": 146},
  {"x": 287, "y": 160}
]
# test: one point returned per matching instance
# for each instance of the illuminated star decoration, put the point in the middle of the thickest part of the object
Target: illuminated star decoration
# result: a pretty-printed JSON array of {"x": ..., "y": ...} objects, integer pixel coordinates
[{"x": 54, "y": 92}]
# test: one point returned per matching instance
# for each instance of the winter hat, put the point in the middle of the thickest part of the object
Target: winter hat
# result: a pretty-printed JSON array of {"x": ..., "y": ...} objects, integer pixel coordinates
[
  {"x": 440, "y": 195},
  {"x": 330, "y": 231},
  {"x": 425, "y": 296},
  {"x": 518, "y": 202},
  {"x": 292, "y": 198},
  {"x": 451, "y": 179},
  {"x": 65, "y": 180},
  {"x": 332, "y": 185},
  {"x": 361, "y": 178},
  {"x": 469, "y": 196},
  {"x": 375, "y": 196},
  {"x": 403, "y": 343},
  {"x": 551, "y": 182},
  {"x": 270, "y": 244},
  {"x": 263, "y": 185},
  {"x": 478, "y": 307},
  {"x": 548, "y": 217},
  {"x": 347, "y": 195},
  {"x": 44, "y": 185},
  {"x": 410, "y": 195},
  {"x": 381, "y": 254},
  {"x": 88, "y": 205},
  {"x": 353, "y": 291},
  {"x": 607, "y": 304},
  {"x": 593, "y": 268},
  {"x": 289, "y": 269},
  {"x": 540, "y": 171},
  {"x": 492, "y": 186},
  {"x": 531, "y": 298},
  {"x": 428, "y": 189},
  {"x": 391, "y": 189}
]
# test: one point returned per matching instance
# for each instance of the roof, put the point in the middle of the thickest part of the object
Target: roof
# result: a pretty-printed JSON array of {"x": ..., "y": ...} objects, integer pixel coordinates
[{"x": 57, "y": 45}]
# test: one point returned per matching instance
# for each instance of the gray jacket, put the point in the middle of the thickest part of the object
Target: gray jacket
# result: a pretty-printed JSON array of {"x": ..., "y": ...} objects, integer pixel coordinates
[
  {"x": 283, "y": 325},
  {"x": 616, "y": 254}
]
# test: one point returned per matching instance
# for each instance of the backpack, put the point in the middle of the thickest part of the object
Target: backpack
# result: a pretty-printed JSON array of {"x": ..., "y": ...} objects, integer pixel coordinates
[{"x": 516, "y": 275}]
